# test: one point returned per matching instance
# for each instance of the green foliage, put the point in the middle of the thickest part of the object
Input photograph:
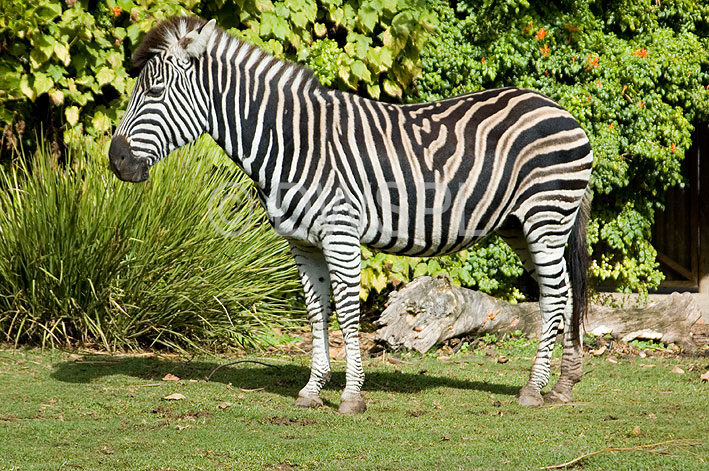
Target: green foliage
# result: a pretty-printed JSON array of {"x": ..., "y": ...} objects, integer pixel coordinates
[
  {"x": 64, "y": 65},
  {"x": 634, "y": 74},
  {"x": 87, "y": 258},
  {"x": 491, "y": 267},
  {"x": 647, "y": 345}
]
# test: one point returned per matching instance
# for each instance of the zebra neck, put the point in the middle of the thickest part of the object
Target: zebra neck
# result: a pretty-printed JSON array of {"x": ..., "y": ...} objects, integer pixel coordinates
[{"x": 259, "y": 110}]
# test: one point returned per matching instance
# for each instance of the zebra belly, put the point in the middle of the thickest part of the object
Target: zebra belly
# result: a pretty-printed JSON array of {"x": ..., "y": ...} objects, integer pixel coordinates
[{"x": 450, "y": 236}]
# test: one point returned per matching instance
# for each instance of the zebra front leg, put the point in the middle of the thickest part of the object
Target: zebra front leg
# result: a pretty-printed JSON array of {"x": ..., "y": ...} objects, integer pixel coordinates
[
  {"x": 315, "y": 277},
  {"x": 343, "y": 256},
  {"x": 553, "y": 300}
]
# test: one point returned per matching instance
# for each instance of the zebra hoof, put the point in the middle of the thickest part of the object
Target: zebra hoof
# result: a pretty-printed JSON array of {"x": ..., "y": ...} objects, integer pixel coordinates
[
  {"x": 530, "y": 398},
  {"x": 557, "y": 397},
  {"x": 310, "y": 401},
  {"x": 352, "y": 406}
]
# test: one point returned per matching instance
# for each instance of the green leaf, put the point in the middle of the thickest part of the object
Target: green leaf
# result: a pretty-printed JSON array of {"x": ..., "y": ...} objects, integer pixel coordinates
[
  {"x": 268, "y": 23},
  {"x": 42, "y": 83},
  {"x": 42, "y": 51},
  {"x": 381, "y": 58},
  {"x": 281, "y": 29},
  {"x": 26, "y": 89},
  {"x": 133, "y": 32},
  {"x": 320, "y": 29},
  {"x": 380, "y": 282},
  {"x": 403, "y": 23},
  {"x": 45, "y": 44},
  {"x": 101, "y": 122},
  {"x": 57, "y": 97},
  {"x": 61, "y": 50},
  {"x": 420, "y": 270},
  {"x": 56, "y": 72},
  {"x": 374, "y": 90},
  {"x": 104, "y": 76},
  {"x": 125, "y": 5},
  {"x": 49, "y": 10},
  {"x": 299, "y": 19},
  {"x": 115, "y": 59},
  {"x": 349, "y": 16},
  {"x": 392, "y": 88},
  {"x": 367, "y": 17},
  {"x": 72, "y": 115},
  {"x": 360, "y": 70},
  {"x": 337, "y": 15},
  {"x": 389, "y": 5},
  {"x": 264, "y": 5}
]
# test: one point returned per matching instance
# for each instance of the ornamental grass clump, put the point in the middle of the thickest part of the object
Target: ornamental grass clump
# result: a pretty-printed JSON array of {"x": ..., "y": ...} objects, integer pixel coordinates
[{"x": 186, "y": 260}]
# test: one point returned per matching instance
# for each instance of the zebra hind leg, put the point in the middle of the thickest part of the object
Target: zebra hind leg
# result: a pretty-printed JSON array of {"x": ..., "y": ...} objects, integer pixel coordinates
[
  {"x": 315, "y": 278},
  {"x": 572, "y": 356},
  {"x": 571, "y": 369}
]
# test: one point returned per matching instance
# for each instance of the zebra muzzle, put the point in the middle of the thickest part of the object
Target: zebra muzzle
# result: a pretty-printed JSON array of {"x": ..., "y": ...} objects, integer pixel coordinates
[{"x": 123, "y": 164}]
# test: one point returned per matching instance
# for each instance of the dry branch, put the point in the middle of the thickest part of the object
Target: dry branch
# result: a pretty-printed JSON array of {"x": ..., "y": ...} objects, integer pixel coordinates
[
  {"x": 649, "y": 448},
  {"x": 430, "y": 310}
]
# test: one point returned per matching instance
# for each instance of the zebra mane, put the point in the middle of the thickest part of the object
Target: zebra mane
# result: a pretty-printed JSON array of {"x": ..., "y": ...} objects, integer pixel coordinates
[
  {"x": 168, "y": 32},
  {"x": 163, "y": 37}
]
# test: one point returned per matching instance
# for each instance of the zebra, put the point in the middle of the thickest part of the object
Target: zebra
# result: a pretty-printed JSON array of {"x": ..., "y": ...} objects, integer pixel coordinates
[{"x": 335, "y": 171}]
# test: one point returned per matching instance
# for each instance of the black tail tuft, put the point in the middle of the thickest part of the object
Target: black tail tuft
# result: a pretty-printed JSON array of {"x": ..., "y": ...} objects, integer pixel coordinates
[{"x": 578, "y": 260}]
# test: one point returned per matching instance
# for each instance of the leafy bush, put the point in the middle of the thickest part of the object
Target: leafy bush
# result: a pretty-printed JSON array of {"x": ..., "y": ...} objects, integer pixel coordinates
[
  {"x": 634, "y": 74},
  {"x": 64, "y": 66},
  {"x": 87, "y": 258},
  {"x": 491, "y": 267}
]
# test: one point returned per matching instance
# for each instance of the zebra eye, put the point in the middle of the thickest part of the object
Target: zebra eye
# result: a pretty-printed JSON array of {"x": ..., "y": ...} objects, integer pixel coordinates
[{"x": 156, "y": 90}]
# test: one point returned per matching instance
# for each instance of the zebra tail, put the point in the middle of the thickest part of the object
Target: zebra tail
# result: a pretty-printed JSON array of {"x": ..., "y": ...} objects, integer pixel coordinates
[{"x": 579, "y": 260}]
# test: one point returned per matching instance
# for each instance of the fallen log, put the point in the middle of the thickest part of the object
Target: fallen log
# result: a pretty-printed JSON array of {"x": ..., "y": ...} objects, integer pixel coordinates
[{"x": 430, "y": 310}]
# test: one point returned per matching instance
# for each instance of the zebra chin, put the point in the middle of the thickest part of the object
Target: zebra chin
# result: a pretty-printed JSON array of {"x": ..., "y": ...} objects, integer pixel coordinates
[{"x": 124, "y": 164}]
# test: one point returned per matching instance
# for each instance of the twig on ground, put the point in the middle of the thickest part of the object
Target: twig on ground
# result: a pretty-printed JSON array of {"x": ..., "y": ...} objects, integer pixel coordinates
[
  {"x": 649, "y": 448},
  {"x": 238, "y": 361}
]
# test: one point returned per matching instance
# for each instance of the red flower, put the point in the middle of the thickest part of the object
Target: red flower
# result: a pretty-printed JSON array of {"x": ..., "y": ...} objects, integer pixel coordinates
[
  {"x": 642, "y": 52},
  {"x": 117, "y": 11},
  {"x": 541, "y": 33},
  {"x": 482, "y": 60},
  {"x": 545, "y": 50}
]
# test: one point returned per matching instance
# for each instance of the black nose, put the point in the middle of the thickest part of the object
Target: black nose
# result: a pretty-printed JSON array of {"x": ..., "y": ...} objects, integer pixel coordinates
[{"x": 122, "y": 162}]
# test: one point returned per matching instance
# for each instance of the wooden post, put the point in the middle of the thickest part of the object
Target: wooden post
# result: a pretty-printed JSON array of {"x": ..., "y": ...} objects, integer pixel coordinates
[{"x": 702, "y": 144}]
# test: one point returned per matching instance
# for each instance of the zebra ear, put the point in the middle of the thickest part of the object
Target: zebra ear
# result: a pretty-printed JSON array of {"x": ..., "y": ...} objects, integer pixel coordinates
[{"x": 195, "y": 42}]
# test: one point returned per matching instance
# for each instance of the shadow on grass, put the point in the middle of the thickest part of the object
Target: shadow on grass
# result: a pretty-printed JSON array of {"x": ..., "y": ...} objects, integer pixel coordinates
[{"x": 284, "y": 379}]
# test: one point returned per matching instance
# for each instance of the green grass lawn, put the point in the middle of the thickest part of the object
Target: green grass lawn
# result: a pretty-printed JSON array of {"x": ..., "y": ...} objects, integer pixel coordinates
[{"x": 98, "y": 412}]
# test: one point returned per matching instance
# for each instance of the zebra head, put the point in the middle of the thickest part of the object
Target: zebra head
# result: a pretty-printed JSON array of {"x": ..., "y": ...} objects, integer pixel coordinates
[{"x": 168, "y": 106}]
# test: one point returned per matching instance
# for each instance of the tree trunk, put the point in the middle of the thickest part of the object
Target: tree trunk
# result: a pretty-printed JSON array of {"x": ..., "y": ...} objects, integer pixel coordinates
[{"x": 430, "y": 310}]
